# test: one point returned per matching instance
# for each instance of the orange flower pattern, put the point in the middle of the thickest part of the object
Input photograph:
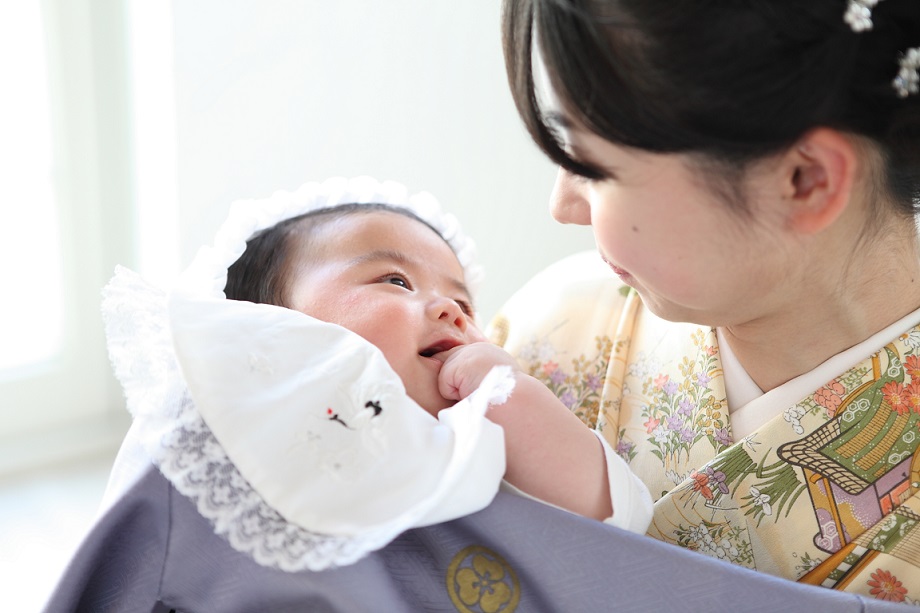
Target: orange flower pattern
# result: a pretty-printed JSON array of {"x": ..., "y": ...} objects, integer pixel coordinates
[
  {"x": 912, "y": 366},
  {"x": 886, "y": 586},
  {"x": 830, "y": 396},
  {"x": 896, "y": 397}
]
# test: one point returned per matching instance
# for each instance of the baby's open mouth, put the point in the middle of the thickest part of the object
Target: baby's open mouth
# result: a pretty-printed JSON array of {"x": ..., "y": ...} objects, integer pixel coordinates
[{"x": 438, "y": 348}]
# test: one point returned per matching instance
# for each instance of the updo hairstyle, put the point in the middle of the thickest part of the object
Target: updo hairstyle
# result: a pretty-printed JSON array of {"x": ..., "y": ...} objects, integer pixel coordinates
[{"x": 732, "y": 81}]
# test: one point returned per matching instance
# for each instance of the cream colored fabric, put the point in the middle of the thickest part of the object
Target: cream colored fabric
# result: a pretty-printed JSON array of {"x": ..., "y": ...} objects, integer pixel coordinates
[{"x": 825, "y": 491}]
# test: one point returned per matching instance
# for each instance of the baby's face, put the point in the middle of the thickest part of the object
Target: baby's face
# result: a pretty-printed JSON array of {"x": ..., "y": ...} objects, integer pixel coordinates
[{"x": 396, "y": 283}]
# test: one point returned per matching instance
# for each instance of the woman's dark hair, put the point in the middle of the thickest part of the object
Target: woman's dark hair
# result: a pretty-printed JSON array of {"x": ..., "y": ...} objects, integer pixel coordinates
[
  {"x": 261, "y": 273},
  {"x": 732, "y": 81}
]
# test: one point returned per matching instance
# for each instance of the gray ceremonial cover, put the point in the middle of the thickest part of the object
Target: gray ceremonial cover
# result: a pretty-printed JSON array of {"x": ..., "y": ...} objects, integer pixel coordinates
[{"x": 153, "y": 552}]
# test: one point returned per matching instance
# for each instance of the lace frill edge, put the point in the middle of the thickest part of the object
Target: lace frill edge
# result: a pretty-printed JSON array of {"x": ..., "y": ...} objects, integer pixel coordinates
[
  {"x": 139, "y": 343},
  {"x": 247, "y": 217},
  {"x": 186, "y": 452},
  {"x": 193, "y": 460}
]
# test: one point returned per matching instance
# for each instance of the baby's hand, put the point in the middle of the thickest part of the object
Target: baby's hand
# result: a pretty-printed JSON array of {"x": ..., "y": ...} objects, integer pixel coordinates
[{"x": 466, "y": 366}]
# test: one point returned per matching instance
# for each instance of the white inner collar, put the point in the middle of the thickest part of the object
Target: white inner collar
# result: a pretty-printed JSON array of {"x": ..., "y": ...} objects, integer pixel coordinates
[{"x": 750, "y": 407}]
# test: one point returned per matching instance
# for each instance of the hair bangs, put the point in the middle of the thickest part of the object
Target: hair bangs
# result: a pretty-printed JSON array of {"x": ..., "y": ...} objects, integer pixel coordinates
[
  {"x": 598, "y": 66},
  {"x": 518, "y": 19}
]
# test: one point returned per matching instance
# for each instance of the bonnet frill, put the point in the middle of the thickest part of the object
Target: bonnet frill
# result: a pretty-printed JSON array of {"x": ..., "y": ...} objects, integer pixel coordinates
[{"x": 293, "y": 436}]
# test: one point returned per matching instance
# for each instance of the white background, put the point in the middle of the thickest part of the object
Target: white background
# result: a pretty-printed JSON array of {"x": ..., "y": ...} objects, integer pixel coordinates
[
  {"x": 161, "y": 114},
  {"x": 272, "y": 94}
]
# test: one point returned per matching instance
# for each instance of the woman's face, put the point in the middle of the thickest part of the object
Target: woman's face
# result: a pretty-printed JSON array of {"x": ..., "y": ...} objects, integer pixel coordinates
[{"x": 663, "y": 231}]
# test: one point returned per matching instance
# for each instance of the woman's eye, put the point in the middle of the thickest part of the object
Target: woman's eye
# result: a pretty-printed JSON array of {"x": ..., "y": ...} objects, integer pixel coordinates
[{"x": 599, "y": 177}]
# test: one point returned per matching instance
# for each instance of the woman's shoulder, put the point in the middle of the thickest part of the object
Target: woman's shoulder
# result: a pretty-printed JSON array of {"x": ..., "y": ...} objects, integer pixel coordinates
[
  {"x": 579, "y": 292},
  {"x": 579, "y": 270}
]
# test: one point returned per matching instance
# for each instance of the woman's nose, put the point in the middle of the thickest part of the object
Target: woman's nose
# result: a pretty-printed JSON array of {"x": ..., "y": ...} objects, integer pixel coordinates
[
  {"x": 447, "y": 310},
  {"x": 567, "y": 204}
]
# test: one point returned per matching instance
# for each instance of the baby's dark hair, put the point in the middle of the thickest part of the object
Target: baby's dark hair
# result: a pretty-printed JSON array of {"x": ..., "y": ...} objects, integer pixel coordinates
[
  {"x": 261, "y": 274},
  {"x": 732, "y": 82}
]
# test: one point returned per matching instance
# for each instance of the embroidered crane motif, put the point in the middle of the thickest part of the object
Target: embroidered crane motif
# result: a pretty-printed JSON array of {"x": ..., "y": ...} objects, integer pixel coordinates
[{"x": 370, "y": 404}]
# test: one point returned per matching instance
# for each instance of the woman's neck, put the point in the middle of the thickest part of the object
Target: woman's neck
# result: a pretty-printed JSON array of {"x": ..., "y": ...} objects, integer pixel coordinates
[{"x": 834, "y": 307}]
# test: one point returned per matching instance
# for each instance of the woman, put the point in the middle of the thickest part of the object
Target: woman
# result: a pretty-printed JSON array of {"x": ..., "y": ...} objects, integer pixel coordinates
[{"x": 751, "y": 171}]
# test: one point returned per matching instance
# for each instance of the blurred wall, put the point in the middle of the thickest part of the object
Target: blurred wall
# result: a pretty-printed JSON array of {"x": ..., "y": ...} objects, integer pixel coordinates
[{"x": 275, "y": 93}]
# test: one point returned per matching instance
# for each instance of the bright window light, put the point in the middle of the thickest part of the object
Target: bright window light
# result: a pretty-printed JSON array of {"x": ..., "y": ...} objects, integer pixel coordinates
[
  {"x": 154, "y": 124},
  {"x": 30, "y": 257}
]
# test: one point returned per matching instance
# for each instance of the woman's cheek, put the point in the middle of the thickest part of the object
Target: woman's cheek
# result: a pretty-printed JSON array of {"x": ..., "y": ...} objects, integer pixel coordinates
[{"x": 616, "y": 236}]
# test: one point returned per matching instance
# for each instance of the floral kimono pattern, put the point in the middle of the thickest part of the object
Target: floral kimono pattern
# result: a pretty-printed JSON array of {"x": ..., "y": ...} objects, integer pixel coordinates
[{"x": 824, "y": 493}]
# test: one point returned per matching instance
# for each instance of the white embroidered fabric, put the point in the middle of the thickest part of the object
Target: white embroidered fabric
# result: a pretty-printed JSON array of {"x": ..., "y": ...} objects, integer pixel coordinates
[{"x": 293, "y": 436}]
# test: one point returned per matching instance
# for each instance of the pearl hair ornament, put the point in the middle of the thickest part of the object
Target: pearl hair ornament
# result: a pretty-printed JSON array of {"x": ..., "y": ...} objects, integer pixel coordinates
[
  {"x": 859, "y": 17},
  {"x": 908, "y": 80},
  {"x": 859, "y": 14}
]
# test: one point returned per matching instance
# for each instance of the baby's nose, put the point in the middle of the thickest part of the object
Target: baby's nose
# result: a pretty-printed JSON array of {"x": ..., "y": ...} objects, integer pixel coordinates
[{"x": 445, "y": 309}]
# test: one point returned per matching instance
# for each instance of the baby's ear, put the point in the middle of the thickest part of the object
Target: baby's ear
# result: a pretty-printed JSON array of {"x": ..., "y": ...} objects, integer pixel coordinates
[{"x": 819, "y": 176}]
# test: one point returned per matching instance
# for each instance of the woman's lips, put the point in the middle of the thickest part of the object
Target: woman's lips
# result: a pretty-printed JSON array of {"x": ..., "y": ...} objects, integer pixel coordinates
[{"x": 620, "y": 272}]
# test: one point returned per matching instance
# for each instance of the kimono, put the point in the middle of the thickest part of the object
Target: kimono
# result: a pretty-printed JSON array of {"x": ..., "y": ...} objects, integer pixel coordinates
[
  {"x": 194, "y": 526},
  {"x": 823, "y": 493},
  {"x": 153, "y": 552}
]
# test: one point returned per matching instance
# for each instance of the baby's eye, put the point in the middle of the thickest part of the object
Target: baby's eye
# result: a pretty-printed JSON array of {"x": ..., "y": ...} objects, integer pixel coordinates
[
  {"x": 395, "y": 279},
  {"x": 466, "y": 307}
]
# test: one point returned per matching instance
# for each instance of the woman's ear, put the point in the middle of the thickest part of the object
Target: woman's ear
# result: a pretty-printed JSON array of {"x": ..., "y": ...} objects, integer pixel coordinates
[{"x": 818, "y": 176}]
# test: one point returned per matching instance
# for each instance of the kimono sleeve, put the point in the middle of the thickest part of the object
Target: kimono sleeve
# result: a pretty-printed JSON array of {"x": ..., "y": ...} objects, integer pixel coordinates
[{"x": 561, "y": 325}]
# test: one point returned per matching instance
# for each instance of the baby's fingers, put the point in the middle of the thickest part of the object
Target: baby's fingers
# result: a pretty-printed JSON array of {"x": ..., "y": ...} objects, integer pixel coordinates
[
  {"x": 443, "y": 356},
  {"x": 448, "y": 379}
]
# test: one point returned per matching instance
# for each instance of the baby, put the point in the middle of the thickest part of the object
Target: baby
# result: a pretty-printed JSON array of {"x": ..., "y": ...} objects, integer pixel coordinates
[{"x": 390, "y": 277}]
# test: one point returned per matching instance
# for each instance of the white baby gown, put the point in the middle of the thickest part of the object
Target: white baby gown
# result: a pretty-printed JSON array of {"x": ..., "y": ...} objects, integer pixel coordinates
[{"x": 293, "y": 436}]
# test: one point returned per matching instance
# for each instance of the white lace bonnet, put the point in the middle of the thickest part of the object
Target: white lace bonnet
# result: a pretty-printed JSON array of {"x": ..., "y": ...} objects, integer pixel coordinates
[{"x": 294, "y": 436}]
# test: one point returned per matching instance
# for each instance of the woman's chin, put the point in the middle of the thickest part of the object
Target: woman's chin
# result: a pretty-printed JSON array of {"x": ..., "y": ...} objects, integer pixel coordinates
[{"x": 668, "y": 310}]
